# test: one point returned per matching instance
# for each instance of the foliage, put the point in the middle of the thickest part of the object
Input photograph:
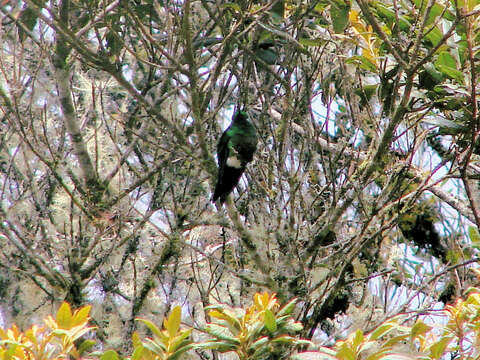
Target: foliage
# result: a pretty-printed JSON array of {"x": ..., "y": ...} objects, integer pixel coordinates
[
  {"x": 166, "y": 344},
  {"x": 361, "y": 200},
  {"x": 458, "y": 334},
  {"x": 256, "y": 332},
  {"x": 252, "y": 335},
  {"x": 57, "y": 339}
]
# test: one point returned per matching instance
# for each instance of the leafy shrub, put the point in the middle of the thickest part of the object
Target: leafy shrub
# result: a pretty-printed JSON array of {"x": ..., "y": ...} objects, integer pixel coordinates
[
  {"x": 265, "y": 330},
  {"x": 57, "y": 339}
]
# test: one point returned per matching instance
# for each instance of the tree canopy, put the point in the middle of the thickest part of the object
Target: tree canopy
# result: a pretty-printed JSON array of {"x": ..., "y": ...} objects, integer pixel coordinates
[{"x": 362, "y": 200}]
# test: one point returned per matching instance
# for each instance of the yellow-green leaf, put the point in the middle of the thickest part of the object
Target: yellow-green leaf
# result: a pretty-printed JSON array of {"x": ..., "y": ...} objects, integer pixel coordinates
[
  {"x": 110, "y": 355},
  {"x": 395, "y": 340},
  {"x": 260, "y": 342},
  {"x": 438, "y": 348},
  {"x": 136, "y": 341},
  {"x": 312, "y": 42},
  {"x": 222, "y": 346},
  {"x": 357, "y": 338},
  {"x": 293, "y": 326},
  {"x": 270, "y": 322},
  {"x": 419, "y": 329},
  {"x": 64, "y": 316},
  {"x": 85, "y": 346},
  {"x": 232, "y": 6},
  {"x": 345, "y": 353},
  {"x": 226, "y": 315},
  {"x": 288, "y": 308},
  {"x": 221, "y": 333},
  {"x": 180, "y": 351},
  {"x": 173, "y": 323},
  {"x": 382, "y": 330},
  {"x": 138, "y": 353},
  {"x": 180, "y": 340},
  {"x": 284, "y": 339},
  {"x": 473, "y": 234},
  {"x": 81, "y": 315},
  {"x": 153, "y": 328},
  {"x": 154, "y": 347}
]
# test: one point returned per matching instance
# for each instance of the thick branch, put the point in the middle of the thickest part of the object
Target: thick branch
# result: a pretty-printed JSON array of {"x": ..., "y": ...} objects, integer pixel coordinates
[{"x": 62, "y": 74}]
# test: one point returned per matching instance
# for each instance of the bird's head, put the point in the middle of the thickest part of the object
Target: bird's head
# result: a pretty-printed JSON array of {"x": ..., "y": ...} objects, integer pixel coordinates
[{"x": 240, "y": 116}]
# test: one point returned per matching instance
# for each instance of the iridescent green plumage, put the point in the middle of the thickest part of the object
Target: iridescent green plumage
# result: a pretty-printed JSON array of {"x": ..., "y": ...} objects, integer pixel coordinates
[{"x": 235, "y": 150}]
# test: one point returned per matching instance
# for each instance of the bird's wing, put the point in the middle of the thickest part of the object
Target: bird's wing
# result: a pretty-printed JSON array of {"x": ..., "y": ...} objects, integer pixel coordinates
[{"x": 222, "y": 150}]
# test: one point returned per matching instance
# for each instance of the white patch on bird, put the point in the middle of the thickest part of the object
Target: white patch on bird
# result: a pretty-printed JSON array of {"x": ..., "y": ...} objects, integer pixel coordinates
[{"x": 233, "y": 161}]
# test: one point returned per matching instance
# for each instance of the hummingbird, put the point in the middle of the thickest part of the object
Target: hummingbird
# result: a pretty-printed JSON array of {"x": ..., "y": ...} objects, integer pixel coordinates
[{"x": 235, "y": 150}]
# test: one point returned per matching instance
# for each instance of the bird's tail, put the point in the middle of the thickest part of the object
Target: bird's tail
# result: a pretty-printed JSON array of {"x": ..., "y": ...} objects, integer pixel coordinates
[{"x": 226, "y": 183}]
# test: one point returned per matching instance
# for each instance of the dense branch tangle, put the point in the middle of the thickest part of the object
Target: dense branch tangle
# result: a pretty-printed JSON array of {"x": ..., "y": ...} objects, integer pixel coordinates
[{"x": 108, "y": 152}]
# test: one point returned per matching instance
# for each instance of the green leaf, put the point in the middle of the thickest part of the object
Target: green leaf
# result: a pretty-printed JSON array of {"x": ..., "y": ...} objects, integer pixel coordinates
[
  {"x": 221, "y": 332},
  {"x": 181, "y": 340},
  {"x": 434, "y": 36},
  {"x": 446, "y": 64},
  {"x": 85, "y": 346},
  {"x": 11, "y": 351},
  {"x": 362, "y": 62},
  {"x": 138, "y": 353},
  {"x": 293, "y": 326},
  {"x": 270, "y": 322},
  {"x": 339, "y": 11},
  {"x": 473, "y": 234},
  {"x": 180, "y": 351},
  {"x": 419, "y": 329},
  {"x": 284, "y": 339},
  {"x": 443, "y": 123},
  {"x": 429, "y": 77},
  {"x": 304, "y": 342},
  {"x": 312, "y": 42},
  {"x": 358, "y": 338},
  {"x": 438, "y": 348},
  {"x": 320, "y": 6},
  {"x": 110, "y": 355},
  {"x": 255, "y": 329},
  {"x": 232, "y": 6},
  {"x": 153, "y": 328},
  {"x": 154, "y": 346},
  {"x": 445, "y": 59},
  {"x": 345, "y": 353},
  {"x": 435, "y": 11},
  {"x": 74, "y": 333},
  {"x": 382, "y": 330},
  {"x": 395, "y": 340},
  {"x": 262, "y": 341},
  {"x": 390, "y": 356},
  {"x": 388, "y": 15},
  {"x": 451, "y": 73},
  {"x": 221, "y": 346},
  {"x": 288, "y": 308},
  {"x": 113, "y": 42},
  {"x": 228, "y": 316}
]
